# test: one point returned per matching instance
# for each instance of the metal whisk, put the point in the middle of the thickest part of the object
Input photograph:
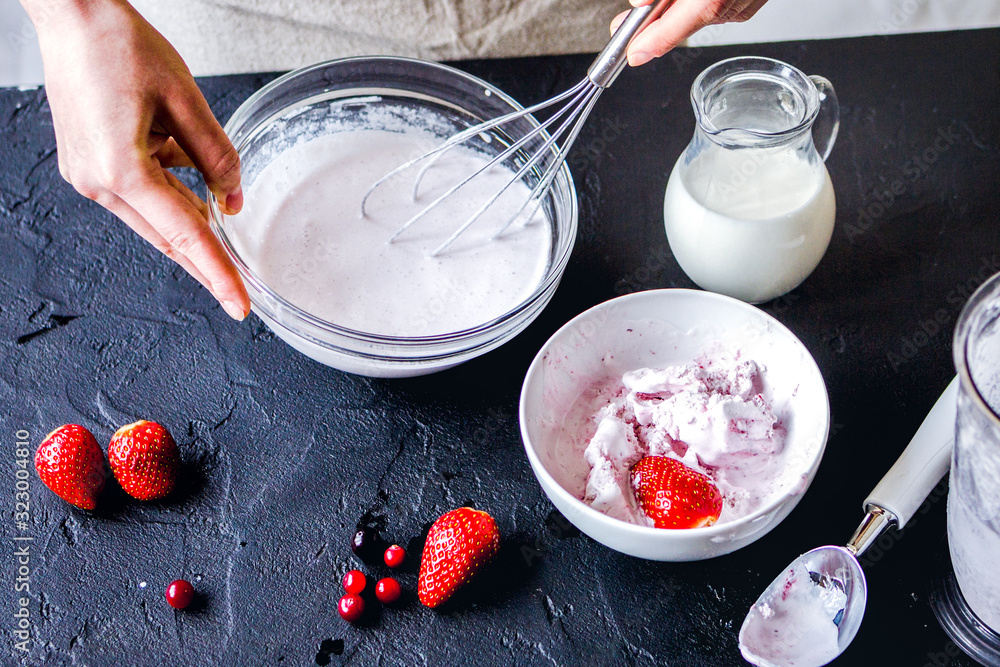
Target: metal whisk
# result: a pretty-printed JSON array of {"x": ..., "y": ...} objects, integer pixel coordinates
[{"x": 568, "y": 120}]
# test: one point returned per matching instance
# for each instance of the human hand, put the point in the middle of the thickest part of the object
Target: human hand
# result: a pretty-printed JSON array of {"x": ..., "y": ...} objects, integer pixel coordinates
[
  {"x": 125, "y": 109},
  {"x": 682, "y": 19}
]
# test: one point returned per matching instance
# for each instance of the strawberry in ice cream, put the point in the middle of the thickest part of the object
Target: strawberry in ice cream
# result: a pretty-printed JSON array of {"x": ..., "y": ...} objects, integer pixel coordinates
[{"x": 711, "y": 416}]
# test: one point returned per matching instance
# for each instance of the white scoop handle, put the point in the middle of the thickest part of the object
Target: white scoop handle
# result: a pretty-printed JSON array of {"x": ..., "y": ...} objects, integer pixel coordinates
[{"x": 922, "y": 465}]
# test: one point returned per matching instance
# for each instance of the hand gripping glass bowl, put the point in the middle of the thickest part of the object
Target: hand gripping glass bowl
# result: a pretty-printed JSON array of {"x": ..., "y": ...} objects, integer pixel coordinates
[
  {"x": 331, "y": 96},
  {"x": 603, "y": 342}
]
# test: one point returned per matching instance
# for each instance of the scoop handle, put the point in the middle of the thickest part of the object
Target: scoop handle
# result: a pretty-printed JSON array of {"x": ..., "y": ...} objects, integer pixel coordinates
[{"x": 923, "y": 463}]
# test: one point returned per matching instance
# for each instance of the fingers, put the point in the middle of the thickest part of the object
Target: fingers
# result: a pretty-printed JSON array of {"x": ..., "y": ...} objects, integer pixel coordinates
[
  {"x": 617, "y": 21},
  {"x": 748, "y": 13},
  {"x": 177, "y": 216},
  {"x": 192, "y": 198},
  {"x": 681, "y": 20},
  {"x": 118, "y": 92},
  {"x": 198, "y": 134},
  {"x": 116, "y": 205},
  {"x": 171, "y": 155},
  {"x": 734, "y": 9}
]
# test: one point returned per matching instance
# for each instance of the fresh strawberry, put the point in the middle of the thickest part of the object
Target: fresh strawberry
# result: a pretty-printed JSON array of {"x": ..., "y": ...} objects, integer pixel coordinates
[
  {"x": 70, "y": 462},
  {"x": 458, "y": 545},
  {"x": 674, "y": 495},
  {"x": 144, "y": 459}
]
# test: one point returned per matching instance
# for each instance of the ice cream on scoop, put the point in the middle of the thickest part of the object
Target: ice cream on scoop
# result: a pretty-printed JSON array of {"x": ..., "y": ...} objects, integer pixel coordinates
[{"x": 797, "y": 625}]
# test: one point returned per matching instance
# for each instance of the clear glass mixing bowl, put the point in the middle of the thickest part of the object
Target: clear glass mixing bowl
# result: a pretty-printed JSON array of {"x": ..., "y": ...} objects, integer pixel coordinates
[{"x": 293, "y": 109}]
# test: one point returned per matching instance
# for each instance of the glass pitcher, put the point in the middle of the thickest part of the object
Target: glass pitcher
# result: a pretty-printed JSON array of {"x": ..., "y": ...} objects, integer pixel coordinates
[{"x": 749, "y": 207}]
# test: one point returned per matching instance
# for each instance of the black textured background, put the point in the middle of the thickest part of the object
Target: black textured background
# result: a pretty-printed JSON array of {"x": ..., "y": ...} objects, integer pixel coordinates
[{"x": 284, "y": 456}]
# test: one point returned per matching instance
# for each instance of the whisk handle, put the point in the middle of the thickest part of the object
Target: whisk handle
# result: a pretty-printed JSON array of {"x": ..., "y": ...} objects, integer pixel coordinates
[{"x": 611, "y": 61}]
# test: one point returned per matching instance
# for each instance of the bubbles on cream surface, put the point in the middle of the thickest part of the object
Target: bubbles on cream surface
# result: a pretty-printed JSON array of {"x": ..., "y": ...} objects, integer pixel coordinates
[{"x": 301, "y": 231}]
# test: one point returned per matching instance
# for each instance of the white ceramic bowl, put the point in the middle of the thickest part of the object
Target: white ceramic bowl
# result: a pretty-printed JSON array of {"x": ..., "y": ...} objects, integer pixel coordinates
[{"x": 597, "y": 342}]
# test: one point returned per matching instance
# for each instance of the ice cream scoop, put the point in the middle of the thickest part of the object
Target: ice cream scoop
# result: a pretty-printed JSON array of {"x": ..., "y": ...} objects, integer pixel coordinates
[{"x": 810, "y": 613}]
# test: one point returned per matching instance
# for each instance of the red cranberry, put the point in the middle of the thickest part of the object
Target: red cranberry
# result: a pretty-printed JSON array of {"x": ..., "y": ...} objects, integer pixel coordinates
[
  {"x": 394, "y": 556},
  {"x": 351, "y": 608},
  {"x": 354, "y": 581},
  {"x": 387, "y": 590},
  {"x": 179, "y": 594}
]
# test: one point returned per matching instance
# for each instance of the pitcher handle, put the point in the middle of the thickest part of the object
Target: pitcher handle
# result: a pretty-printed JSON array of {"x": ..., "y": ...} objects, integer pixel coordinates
[{"x": 828, "y": 121}]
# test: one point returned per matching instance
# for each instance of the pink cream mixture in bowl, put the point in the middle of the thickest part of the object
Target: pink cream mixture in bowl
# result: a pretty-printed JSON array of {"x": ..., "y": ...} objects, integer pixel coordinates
[{"x": 705, "y": 380}]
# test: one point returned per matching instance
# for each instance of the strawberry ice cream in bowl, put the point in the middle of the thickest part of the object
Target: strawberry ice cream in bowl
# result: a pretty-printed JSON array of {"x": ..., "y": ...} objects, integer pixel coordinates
[{"x": 674, "y": 424}]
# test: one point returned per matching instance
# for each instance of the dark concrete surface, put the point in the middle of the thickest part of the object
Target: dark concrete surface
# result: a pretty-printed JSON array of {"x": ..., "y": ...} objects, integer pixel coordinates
[{"x": 284, "y": 456}]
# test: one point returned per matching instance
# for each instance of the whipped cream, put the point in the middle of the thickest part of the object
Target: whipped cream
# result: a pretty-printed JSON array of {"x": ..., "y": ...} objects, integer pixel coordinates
[
  {"x": 711, "y": 415},
  {"x": 795, "y": 624}
]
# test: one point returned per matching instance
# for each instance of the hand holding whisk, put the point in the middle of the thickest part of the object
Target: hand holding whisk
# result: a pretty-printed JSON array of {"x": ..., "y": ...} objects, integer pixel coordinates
[{"x": 537, "y": 156}]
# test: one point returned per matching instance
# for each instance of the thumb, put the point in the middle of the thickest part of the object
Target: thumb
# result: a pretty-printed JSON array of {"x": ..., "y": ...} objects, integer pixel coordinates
[
  {"x": 195, "y": 129},
  {"x": 617, "y": 21},
  {"x": 680, "y": 21}
]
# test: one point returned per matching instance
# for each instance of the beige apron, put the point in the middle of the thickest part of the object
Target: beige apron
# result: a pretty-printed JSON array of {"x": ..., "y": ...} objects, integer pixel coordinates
[{"x": 223, "y": 36}]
